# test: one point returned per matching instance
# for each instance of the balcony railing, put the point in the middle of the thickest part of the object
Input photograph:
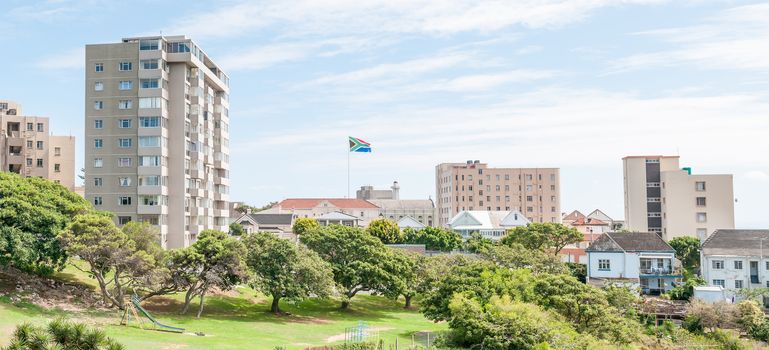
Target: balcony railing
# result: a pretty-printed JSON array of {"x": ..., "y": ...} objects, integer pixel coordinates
[{"x": 657, "y": 271}]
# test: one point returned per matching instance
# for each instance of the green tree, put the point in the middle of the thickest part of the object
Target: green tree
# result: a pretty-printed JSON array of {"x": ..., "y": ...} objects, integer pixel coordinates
[
  {"x": 434, "y": 238},
  {"x": 478, "y": 244},
  {"x": 112, "y": 256},
  {"x": 386, "y": 230},
  {"x": 302, "y": 225},
  {"x": 687, "y": 251},
  {"x": 61, "y": 334},
  {"x": 214, "y": 260},
  {"x": 543, "y": 236},
  {"x": 516, "y": 256},
  {"x": 360, "y": 261},
  {"x": 237, "y": 229},
  {"x": 33, "y": 213},
  {"x": 749, "y": 316},
  {"x": 686, "y": 290},
  {"x": 283, "y": 269}
]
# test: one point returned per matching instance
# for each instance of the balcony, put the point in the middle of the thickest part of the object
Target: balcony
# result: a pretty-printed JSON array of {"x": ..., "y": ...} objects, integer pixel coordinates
[{"x": 660, "y": 271}]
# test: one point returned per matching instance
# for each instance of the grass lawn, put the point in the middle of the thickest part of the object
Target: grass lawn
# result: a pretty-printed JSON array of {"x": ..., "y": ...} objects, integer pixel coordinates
[{"x": 237, "y": 321}]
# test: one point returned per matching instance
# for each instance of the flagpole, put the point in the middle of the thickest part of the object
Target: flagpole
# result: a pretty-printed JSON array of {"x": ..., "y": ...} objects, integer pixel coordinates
[{"x": 348, "y": 173}]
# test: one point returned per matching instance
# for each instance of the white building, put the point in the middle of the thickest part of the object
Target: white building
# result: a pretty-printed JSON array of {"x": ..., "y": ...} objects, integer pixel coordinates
[
  {"x": 490, "y": 224},
  {"x": 640, "y": 259},
  {"x": 735, "y": 259}
]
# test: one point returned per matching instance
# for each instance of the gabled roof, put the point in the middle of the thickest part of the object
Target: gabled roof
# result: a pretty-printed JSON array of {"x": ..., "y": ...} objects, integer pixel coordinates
[
  {"x": 408, "y": 221},
  {"x": 737, "y": 242},
  {"x": 598, "y": 214},
  {"x": 309, "y": 203},
  {"x": 487, "y": 220},
  {"x": 403, "y": 203},
  {"x": 573, "y": 216},
  {"x": 336, "y": 215},
  {"x": 270, "y": 219},
  {"x": 630, "y": 242},
  {"x": 588, "y": 222}
]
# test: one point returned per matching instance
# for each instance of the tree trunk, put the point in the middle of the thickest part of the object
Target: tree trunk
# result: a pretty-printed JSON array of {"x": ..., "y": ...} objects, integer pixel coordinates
[
  {"x": 275, "y": 308},
  {"x": 345, "y": 304},
  {"x": 187, "y": 299},
  {"x": 408, "y": 301},
  {"x": 200, "y": 309}
]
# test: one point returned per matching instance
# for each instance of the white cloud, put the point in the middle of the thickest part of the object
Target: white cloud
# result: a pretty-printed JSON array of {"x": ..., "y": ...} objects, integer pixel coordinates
[
  {"x": 72, "y": 59},
  {"x": 735, "y": 39}
]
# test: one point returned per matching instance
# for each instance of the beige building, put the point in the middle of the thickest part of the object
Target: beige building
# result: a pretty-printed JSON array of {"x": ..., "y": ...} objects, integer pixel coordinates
[
  {"x": 664, "y": 198},
  {"x": 29, "y": 149},
  {"x": 535, "y": 192},
  {"x": 396, "y": 209},
  {"x": 157, "y": 139},
  {"x": 358, "y": 211}
]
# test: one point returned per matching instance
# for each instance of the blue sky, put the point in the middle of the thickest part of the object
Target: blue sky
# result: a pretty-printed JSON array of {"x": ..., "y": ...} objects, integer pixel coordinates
[{"x": 569, "y": 84}]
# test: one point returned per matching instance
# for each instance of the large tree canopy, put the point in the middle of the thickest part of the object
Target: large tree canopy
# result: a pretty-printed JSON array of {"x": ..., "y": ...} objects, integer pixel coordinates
[
  {"x": 302, "y": 225},
  {"x": 33, "y": 212},
  {"x": 434, "y": 238},
  {"x": 687, "y": 250},
  {"x": 543, "y": 236},
  {"x": 386, "y": 230}
]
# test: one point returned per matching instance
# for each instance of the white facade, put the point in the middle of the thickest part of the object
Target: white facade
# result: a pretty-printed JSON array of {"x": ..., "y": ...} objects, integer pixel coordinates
[
  {"x": 490, "y": 224},
  {"x": 736, "y": 272}
]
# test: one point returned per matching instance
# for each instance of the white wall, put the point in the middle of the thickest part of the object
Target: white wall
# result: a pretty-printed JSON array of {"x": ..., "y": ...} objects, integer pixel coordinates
[
  {"x": 616, "y": 264},
  {"x": 729, "y": 274}
]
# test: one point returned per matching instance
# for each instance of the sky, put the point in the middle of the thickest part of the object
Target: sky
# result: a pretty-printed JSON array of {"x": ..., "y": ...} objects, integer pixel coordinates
[{"x": 571, "y": 84}]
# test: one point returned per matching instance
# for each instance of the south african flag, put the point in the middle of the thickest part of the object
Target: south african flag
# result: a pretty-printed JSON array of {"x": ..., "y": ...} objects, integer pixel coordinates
[{"x": 358, "y": 145}]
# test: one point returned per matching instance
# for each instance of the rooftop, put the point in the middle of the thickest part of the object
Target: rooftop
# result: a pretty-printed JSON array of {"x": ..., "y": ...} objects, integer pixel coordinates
[
  {"x": 736, "y": 242},
  {"x": 309, "y": 203},
  {"x": 630, "y": 242}
]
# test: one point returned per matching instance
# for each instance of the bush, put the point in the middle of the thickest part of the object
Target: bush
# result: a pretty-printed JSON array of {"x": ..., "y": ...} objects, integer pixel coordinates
[
  {"x": 60, "y": 334},
  {"x": 726, "y": 340},
  {"x": 579, "y": 271},
  {"x": 693, "y": 324},
  {"x": 749, "y": 315},
  {"x": 686, "y": 291}
]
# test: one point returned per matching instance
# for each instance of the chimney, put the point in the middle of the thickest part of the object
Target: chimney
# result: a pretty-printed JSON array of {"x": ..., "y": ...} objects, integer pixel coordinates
[{"x": 396, "y": 190}]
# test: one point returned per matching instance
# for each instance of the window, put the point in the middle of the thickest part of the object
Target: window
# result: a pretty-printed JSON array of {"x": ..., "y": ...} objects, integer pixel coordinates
[
  {"x": 124, "y": 143},
  {"x": 530, "y": 209},
  {"x": 98, "y": 143},
  {"x": 125, "y": 85},
  {"x": 149, "y": 122},
  {"x": 98, "y": 105},
  {"x": 40, "y": 127},
  {"x": 39, "y": 163},
  {"x": 701, "y": 201},
  {"x": 150, "y": 102},
  {"x": 738, "y": 264},
  {"x": 150, "y": 64},
  {"x": 699, "y": 185},
  {"x": 604, "y": 265},
  {"x": 719, "y": 283},
  {"x": 738, "y": 284},
  {"x": 98, "y": 86},
  {"x": 98, "y": 124},
  {"x": 29, "y": 161},
  {"x": 149, "y": 141},
  {"x": 652, "y": 184},
  {"x": 701, "y": 233},
  {"x": 653, "y": 200},
  {"x": 528, "y": 188},
  {"x": 529, "y": 198},
  {"x": 97, "y": 200},
  {"x": 702, "y": 217},
  {"x": 149, "y": 44},
  {"x": 150, "y": 83},
  {"x": 99, "y": 67},
  {"x": 57, "y": 168},
  {"x": 30, "y": 126},
  {"x": 717, "y": 264},
  {"x": 98, "y": 182},
  {"x": 149, "y": 161},
  {"x": 149, "y": 181},
  {"x": 124, "y": 104},
  {"x": 122, "y": 220},
  {"x": 654, "y": 215},
  {"x": 98, "y": 162},
  {"x": 39, "y": 144},
  {"x": 529, "y": 177},
  {"x": 29, "y": 144},
  {"x": 124, "y": 123},
  {"x": 150, "y": 200},
  {"x": 124, "y": 200},
  {"x": 124, "y": 66},
  {"x": 767, "y": 265},
  {"x": 125, "y": 181},
  {"x": 124, "y": 162},
  {"x": 57, "y": 151}
]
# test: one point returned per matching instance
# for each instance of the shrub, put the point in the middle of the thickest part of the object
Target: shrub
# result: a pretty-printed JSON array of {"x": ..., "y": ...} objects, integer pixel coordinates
[{"x": 60, "y": 334}]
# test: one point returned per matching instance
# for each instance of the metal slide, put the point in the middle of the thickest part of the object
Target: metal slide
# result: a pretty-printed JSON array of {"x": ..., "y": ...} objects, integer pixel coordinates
[{"x": 135, "y": 302}]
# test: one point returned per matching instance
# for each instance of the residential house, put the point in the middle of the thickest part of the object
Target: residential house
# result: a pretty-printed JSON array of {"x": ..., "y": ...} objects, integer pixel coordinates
[
  {"x": 279, "y": 224},
  {"x": 735, "y": 259},
  {"x": 490, "y": 224},
  {"x": 361, "y": 210}
]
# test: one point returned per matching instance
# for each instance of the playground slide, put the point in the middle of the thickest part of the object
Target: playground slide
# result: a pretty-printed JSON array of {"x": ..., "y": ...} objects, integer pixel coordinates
[{"x": 135, "y": 301}]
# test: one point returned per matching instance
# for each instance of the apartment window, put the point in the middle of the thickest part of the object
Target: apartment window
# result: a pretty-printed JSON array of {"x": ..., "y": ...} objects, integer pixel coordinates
[
  {"x": 149, "y": 44},
  {"x": 719, "y": 283},
  {"x": 125, "y": 181},
  {"x": 124, "y": 123},
  {"x": 98, "y": 182},
  {"x": 653, "y": 200},
  {"x": 507, "y": 176},
  {"x": 652, "y": 184},
  {"x": 149, "y": 141},
  {"x": 39, "y": 163},
  {"x": 529, "y": 177},
  {"x": 98, "y": 105},
  {"x": 98, "y": 162},
  {"x": 98, "y": 86},
  {"x": 124, "y": 200},
  {"x": 702, "y": 217},
  {"x": 528, "y": 188},
  {"x": 125, "y": 66},
  {"x": 149, "y": 161},
  {"x": 124, "y": 104},
  {"x": 29, "y": 161},
  {"x": 40, "y": 127},
  {"x": 150, "y": 83},
  {"x": 150, "y": 200},
  {"x": 530, "y": 209},
  {"x": 98, "y": 143},
  {"x": 529, "y": 198},
  {"x": 39, "y": 144},
  {"x": 149, "y": 122},
  {"x": 149, "y": 181},
  {"x": 717, "y": 264},
  {"x": 552, "y": 177},
  {"x": 57, "y": 151},
  {"x": 97, "y": 200},
  {"x": 124, "y": 143},
  {"x": 738, "y": 284},
  {"x": 552, "y": 209},
  {"x": 701, "y": 201},
  {"x": 124, "y": 162},
  {"x": 738, "y": 264},
  {"x": 604, "y": 265},
  {"x": 699, "y": 185},
  {"x": 150, "y": 102},
  {"x": 654, "y": 215},
  {"x": 98, "y": 124},
  {"x": 99, "y": 67},
  {"x": 57, "y": 168},
  {"x": 507, "y": 199},
  {"x": 122, "y": 220},
  {"x": 30, "y": 126},
  {"x": 150, "y": 64}
]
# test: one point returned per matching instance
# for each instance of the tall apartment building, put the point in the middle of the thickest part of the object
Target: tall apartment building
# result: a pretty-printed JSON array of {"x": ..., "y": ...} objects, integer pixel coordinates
[
  {"x": 29, "y": 149},
  {"x": 535, "y": 192},
  {"x": 157, "y": 139},
  {"x": 661, "y": 197}
]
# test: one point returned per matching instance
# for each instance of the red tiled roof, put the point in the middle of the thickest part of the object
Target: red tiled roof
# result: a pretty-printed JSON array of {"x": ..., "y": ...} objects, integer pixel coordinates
[
  {"x": 590, "y": 237},
  {"x": 342, "y": 203},
  {"x": 572, "y": 251},
  {"x": 584, "y": 221}
]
